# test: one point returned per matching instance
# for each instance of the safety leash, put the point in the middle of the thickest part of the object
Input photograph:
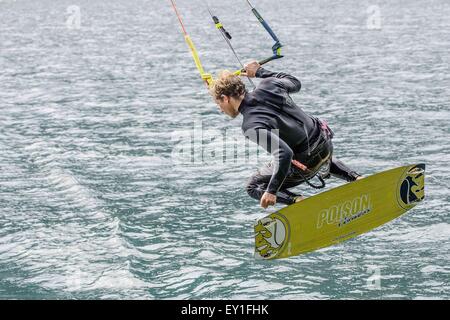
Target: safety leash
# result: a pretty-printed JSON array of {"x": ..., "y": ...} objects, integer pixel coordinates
[{"x": 304, "y": 168}]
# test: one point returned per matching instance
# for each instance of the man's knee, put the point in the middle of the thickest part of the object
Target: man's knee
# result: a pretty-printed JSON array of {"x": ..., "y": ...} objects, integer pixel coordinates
[
  {"x": 251, "y": 186},
  {"x": 255, "y": 185}
]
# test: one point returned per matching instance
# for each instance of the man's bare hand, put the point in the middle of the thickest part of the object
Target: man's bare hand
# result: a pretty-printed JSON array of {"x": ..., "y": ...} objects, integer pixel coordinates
[
  {"x": 250, "y": 69},
  {"x": 268, "y": 199}
]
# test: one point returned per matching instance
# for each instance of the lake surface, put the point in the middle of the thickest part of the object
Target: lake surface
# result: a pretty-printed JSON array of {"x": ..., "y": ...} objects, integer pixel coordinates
[{"x": 114, "y": 177}]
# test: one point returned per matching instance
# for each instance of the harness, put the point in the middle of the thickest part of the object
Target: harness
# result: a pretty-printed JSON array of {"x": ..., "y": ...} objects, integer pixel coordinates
[{"x": 304, "y": 171}]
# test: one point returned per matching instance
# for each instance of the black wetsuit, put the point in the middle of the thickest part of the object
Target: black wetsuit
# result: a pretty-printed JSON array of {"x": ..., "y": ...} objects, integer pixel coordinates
[{"x": 275, "y": 122}]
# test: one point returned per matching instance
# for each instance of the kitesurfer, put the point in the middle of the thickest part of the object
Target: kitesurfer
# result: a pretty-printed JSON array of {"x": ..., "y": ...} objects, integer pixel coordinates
[{"x": 300, "y": 144}]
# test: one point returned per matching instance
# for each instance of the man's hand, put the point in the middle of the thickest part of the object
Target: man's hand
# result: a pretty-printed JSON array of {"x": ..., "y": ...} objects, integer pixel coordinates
[
  {"x": 268, "y": 199},
  {"x": 250, "y": 69}
]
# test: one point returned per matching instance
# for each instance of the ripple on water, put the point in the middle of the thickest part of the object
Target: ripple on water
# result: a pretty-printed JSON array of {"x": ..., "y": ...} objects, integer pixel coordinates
[{"x": 103, "y": 197}]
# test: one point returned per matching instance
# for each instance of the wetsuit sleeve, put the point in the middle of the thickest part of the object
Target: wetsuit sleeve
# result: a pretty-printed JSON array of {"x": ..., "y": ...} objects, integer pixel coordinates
[
  {"x": 290, "y": 83},
  {"x": 281, "y": 153}
]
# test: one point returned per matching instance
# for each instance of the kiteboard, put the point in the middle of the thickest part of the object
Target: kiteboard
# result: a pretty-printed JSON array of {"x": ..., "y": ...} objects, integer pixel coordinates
[{"x": 339, "y": 214}]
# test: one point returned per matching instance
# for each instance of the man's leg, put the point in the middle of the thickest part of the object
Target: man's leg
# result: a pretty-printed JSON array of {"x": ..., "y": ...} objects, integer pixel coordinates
[
  {"x": 341, "y": 171},
  {"x": 257, "y": 185}
]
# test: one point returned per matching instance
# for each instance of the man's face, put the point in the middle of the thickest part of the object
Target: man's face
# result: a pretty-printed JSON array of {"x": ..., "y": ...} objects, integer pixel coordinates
[{"x": 225, "y": 106}]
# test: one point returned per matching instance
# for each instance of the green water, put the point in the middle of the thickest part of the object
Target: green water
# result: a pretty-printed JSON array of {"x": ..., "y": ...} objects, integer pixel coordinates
[{"x": 98, "y": 202}]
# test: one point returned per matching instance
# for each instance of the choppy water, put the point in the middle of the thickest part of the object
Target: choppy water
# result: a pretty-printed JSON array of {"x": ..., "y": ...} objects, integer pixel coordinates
[{"x": 94, "y": 205}]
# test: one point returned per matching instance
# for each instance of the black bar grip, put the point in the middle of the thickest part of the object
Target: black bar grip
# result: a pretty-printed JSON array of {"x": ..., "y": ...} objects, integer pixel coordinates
[
  {"x": 274, "y": 57},
  {"x": 264, "y": 61}
]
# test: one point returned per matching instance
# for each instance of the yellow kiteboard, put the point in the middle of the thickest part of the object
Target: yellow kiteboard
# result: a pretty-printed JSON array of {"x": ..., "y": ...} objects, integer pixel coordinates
[{"x": 339, "y": 214}]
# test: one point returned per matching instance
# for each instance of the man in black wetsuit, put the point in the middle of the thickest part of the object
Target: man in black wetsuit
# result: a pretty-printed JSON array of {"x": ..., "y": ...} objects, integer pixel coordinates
[{"x": 299, "y": 143}]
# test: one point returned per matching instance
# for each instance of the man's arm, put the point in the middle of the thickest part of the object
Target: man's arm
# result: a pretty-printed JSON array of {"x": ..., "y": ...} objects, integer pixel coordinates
[
  {"x": 281, "y": 153},
  {"x": 287, "y": 81}
]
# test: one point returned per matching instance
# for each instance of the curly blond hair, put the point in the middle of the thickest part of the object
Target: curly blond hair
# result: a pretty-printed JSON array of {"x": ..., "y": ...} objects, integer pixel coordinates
[{"x": 227, "y": 84}]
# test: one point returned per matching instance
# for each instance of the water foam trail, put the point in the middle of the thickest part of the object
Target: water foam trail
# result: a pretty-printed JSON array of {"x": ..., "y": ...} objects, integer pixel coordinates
[{"x": 75, "y": 235}]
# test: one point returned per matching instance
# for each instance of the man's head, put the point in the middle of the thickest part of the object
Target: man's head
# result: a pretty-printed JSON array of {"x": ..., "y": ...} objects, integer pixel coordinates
[{"x": 228, "y": 90}]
